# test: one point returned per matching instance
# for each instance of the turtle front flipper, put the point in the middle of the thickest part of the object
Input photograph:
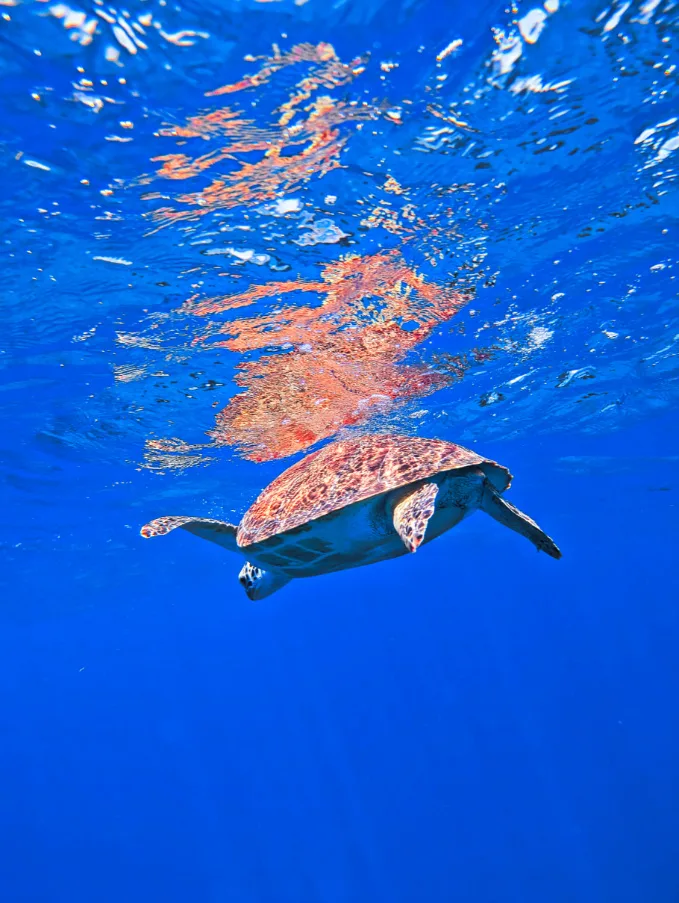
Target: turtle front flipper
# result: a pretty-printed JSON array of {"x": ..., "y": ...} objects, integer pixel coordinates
[
  {"x": 411, "y": 514},
  {"x": 505, "y": 513},
  {"x": 217, "y": 531}
]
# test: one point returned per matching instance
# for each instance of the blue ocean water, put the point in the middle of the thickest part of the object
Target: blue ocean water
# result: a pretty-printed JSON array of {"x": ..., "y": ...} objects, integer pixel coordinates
[{"x": 232, "y": 233}]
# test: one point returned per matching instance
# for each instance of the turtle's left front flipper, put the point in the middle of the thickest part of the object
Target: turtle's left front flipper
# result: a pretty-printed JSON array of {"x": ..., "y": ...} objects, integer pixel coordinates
[
  {"x": 218, "y": 531},
  {"x": 502, "y": 511},
  {"x": 411, "y": 514}
]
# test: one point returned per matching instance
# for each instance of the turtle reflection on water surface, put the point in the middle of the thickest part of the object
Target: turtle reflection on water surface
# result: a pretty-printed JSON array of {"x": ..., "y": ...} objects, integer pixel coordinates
[{"x": 355, "y": 502}]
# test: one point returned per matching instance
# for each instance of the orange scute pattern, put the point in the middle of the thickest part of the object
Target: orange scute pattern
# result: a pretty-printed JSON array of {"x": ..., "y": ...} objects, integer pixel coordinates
[{"x": 350, "y": 471}]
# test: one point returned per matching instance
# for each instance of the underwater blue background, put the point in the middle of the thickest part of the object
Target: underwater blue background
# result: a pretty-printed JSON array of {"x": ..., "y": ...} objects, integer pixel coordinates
[{"x": 475, "y": 722}]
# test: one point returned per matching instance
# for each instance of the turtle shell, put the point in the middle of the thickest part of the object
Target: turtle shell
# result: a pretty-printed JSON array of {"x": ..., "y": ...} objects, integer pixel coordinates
[{"x": 350, "y": 471}]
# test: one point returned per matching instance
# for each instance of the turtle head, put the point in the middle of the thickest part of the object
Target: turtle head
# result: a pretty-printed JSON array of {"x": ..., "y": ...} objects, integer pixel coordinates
[{"x": 259, "y": 584}]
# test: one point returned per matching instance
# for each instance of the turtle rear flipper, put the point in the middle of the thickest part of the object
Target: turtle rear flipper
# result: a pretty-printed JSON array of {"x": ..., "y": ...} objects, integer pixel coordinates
[
  {"x": 505, "y": 513},
  {"x": 217, "y": 531}
]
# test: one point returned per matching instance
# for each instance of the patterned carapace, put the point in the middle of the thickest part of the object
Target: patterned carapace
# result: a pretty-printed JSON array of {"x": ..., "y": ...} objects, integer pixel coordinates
[{"x": 350, "y": 471}]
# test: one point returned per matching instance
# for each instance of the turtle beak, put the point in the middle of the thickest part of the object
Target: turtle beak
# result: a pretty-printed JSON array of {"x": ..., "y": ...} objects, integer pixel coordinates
[
  {"x": 249, "y": 589},
  {"x": 249, "y": 579},
  {"x": 259, "y": 584}
]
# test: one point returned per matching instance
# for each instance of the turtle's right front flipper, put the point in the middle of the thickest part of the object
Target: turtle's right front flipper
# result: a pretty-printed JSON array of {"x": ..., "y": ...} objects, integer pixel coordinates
[
  {"x": 217, "y": 531},
  {"x": 505, "y": 513},
  {"x": 412, "y": 512}
]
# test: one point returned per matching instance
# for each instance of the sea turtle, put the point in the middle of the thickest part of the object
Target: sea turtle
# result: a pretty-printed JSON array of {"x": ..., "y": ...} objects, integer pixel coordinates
[{"x": 355, "y": 502}]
